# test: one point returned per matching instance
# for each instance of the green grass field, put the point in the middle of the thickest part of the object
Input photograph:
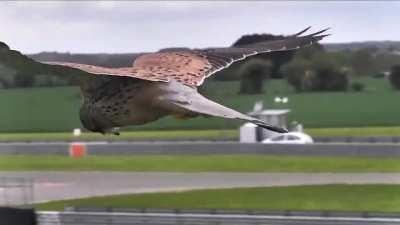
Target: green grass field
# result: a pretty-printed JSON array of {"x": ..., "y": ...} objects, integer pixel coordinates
[
  {"x": 379, "y": 198},
  {"x": 354, "y": 131},
  {"x": 56, "y": 109},
  {"x": 187, "y": 134},
  {"x": 125, "y": 136},
  {"x": 200, "y": 163}
]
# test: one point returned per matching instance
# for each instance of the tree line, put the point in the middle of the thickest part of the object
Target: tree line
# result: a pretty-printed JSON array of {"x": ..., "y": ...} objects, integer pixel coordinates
[{"x": 308, "y": 69}]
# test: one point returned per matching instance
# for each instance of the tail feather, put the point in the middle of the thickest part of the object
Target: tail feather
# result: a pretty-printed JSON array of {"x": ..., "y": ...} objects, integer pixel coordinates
[
  {"x": 189, "y": 100},
  {"x": 267, "y": 126}
]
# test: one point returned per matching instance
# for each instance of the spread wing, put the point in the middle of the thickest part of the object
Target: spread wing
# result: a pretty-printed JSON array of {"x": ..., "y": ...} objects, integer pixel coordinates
[{"x": 191, "y": 67}]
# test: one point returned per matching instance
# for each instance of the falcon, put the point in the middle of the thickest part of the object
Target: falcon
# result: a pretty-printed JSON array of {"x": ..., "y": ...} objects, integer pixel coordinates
[{"x": 165, "y": 83}]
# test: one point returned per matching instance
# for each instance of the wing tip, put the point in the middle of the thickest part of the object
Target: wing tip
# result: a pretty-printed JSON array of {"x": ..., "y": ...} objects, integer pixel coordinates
[
  {"x": 264, "y": 125},
  {"x": 315, "y": 34},
  {"x": 319, "y": 32},
  {"x": 276, "y": 129},
  {"x": 302, "y": 32}
]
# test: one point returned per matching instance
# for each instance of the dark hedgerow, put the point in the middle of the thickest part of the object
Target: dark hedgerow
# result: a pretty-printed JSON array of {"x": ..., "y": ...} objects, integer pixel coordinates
[
  {"x": 395, "y": 76},
  {"x": 318, "y": 74},
  {"x": 253, "y": 73},
  {"x": 357, "y": 86}
]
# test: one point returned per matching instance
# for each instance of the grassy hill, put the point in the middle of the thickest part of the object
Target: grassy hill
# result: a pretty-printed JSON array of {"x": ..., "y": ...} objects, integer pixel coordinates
[{"x": 56, "y": 109}]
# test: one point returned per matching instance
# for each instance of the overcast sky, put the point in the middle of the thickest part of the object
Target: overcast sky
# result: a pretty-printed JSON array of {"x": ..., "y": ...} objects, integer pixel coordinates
[{"x": 112, "y": 27}]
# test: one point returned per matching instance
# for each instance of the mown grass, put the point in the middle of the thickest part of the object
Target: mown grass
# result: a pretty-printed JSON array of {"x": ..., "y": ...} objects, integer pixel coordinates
[
  {"x": 39, "y": 109},
  {"x": 379, "y": 198},
  {"x": 200, "y": 163},
  {"x": 56, "y": 109},
  {"x": 125, "y": 136},
  {"x": 354, "y": 131},
  {"x": 162, "y": 135}
]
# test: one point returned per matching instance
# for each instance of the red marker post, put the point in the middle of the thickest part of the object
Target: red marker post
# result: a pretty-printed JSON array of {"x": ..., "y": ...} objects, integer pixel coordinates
[{"x": 77, "y": 150}]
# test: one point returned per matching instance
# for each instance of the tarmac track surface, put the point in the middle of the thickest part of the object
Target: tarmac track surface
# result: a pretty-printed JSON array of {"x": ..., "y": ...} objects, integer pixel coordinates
[
  {"x": 50, "y": 186},
  {"x": 94, "y": 218},
  {"x": 201, "y": 147}
]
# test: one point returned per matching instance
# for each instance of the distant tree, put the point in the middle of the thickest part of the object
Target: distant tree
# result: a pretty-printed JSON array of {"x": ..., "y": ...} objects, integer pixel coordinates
[
  {"x": 329, "y": 77},
  {"x": 297, "y": 73},
  {"x": 319, "y": 74},
  {"x": 22, "y": 79},
  {"x": 392, "y": 48},
  {"x": 395, "y": 76},
  {"x": 42, "y": 81},
  {"x": 253, "y": 73},
  {"x": 340, "y": 58},
  {"x": 357, "y": 86},
  {"x": 362, "y": 62},
  {"x": 4, "y": 83},
  {"x": 310, "y": 51},
  {"x": 45, "y": 80},
  {"x": 228, "y": 74},
  {"x": 277, "y": 58}
]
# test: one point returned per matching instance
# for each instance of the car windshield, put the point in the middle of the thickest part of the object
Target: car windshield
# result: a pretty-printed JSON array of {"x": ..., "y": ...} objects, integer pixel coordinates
[
  {"x": 293, "y": 138},
  {"x": 279, "y": 138}
]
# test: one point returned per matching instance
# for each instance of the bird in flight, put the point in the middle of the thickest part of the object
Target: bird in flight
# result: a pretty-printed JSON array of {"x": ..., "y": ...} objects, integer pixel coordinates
[{"x": 165, "y": 83}]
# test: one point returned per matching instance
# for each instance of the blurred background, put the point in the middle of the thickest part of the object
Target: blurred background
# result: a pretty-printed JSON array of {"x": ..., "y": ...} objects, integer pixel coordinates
[
  {"x": 341, "y": 93},
  {"x": 342, "y": 82}
]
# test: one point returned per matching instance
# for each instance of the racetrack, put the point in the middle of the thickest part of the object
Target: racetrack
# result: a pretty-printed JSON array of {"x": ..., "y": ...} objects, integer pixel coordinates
[
  {"x": 201, "y": 147},
  {"x": 49, "y": 186},
  {"x": 122, "y": 218}
]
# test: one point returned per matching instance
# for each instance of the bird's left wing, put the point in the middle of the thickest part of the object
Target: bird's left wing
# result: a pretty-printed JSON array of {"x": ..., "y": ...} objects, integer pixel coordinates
[{"x": 191, "y": 67}]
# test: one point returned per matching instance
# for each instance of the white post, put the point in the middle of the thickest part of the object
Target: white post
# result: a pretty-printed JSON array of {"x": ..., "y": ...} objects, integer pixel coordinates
[{"x": 248, "y": 133}]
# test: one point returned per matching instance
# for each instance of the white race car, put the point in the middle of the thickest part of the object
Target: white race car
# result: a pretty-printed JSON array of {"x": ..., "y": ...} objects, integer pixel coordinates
[{"x": 289, "y": 138}]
